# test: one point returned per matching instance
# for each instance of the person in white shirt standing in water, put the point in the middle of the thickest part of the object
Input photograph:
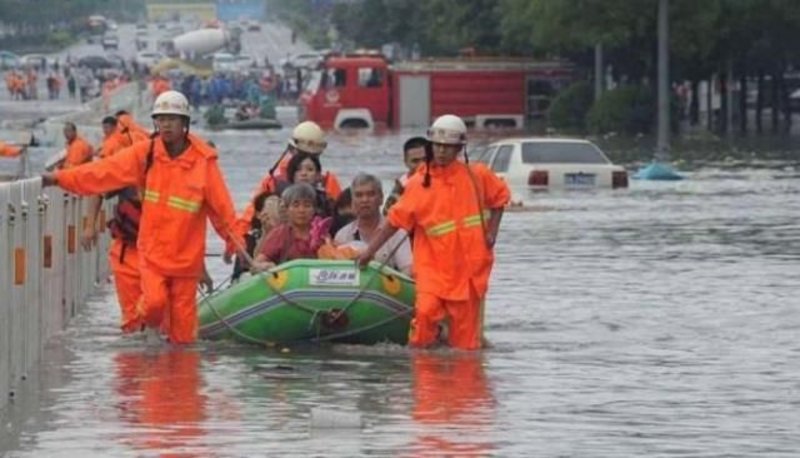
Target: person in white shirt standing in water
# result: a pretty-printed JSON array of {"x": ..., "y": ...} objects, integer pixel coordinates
[{"x": 367, "y": 199}]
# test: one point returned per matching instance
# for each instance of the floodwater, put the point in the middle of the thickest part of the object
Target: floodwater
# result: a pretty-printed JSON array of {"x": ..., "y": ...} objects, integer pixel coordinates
[{"x": 655, "y": 321}]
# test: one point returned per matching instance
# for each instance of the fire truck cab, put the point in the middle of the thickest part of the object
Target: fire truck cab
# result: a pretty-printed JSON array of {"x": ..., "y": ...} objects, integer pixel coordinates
[{"x": 348, "y": 92}]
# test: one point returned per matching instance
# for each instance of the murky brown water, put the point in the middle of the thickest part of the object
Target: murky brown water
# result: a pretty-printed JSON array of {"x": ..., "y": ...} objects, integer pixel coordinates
[{"x": 657, "y": 321}]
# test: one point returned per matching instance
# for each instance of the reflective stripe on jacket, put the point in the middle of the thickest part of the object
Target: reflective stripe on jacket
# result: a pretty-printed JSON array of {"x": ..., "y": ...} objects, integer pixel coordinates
[{"x": 450, "y": 251}]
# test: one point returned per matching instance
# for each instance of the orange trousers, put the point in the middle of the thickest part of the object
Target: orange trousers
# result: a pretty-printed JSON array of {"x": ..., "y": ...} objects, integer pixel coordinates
[
  {"x": 465, "y": 321},
  {"x": 170, "y": 303},
  {"x": 124, "y": 261}
]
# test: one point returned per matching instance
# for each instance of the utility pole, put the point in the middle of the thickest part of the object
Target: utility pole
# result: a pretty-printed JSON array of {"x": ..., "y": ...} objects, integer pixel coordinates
[
  {"x": 662, "y": 145},
  {"x": 599, "y": 74},
  {"x": 658, "y": 169}
]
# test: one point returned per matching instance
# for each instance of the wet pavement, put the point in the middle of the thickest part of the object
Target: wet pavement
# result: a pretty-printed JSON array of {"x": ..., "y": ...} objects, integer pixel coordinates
[{"x": 655, "y": 321}]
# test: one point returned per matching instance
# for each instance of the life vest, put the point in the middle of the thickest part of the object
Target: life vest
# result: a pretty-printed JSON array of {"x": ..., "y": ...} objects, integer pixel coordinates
[
  {"x": 127, "y": 214},
  {"x": 128, "y": 211}
]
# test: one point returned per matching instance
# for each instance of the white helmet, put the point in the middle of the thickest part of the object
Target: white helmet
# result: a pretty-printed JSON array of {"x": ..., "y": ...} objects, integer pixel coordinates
[
  {"x": 449, "y": 130},
  {"x": 308, "y": 137},
  {"x": 171, "y": 102}
]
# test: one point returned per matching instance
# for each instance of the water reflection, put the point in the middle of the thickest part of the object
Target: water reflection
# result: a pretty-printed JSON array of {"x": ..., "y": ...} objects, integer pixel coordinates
[
  {"x": 453, "y": 404},
  {"x": 159, "y": 398}
]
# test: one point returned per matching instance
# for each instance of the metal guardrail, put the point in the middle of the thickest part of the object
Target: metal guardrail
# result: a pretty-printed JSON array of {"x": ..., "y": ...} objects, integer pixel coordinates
[{"x": 45, "y": 275}]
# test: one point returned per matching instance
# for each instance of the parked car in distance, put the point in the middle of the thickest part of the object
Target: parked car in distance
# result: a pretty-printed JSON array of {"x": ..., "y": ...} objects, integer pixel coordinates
[
  {"x": 116, "y": 60},
  {"x": 149, "y": 58},
  {"x": 303, "y": 60},
  {"x": 244, "y": 62},
  {"x": 224, "y": 62},
  {"x": 33, "y": 60},
  {"x": 8, "y": 60},
  {"x": 553, "y": 163},
  {"x": 110, "y": 41},
  {"x": 175, "y": 30},
  {"x": 95, "y": 63}
]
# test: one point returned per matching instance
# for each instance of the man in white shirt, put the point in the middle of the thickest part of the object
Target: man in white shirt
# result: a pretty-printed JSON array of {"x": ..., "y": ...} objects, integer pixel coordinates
[{"x": 367, "y": 195}]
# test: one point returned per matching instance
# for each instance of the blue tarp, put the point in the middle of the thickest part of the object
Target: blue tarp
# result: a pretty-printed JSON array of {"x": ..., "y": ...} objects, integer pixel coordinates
[{"x": 657, "y": 171}]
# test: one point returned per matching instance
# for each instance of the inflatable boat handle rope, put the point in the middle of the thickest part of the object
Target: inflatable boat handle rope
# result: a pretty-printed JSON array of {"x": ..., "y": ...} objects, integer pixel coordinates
[{"x": 314, "y": 312}]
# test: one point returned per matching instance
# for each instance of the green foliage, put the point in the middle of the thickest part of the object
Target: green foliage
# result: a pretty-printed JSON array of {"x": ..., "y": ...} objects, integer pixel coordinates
[
  {"x": 60, "y": 39},
  {"x": 626, "y": 109},
  {"x": 305, "y": 18},
  {"x": 41, "y": 14},
  {"x": 438, "y": 27},
  {"x": 570, "y": 107}
]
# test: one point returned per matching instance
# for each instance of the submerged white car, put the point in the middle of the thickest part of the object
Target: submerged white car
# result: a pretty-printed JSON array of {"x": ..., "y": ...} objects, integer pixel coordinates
[{"x": 547, "y": 163}]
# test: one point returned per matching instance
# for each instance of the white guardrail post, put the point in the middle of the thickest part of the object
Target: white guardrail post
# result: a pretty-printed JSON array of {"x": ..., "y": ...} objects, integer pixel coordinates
[{"x": 45, "y": 275}]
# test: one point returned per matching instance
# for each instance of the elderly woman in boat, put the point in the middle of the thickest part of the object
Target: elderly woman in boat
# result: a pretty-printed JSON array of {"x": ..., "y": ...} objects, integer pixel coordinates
[{"x": 300, "y": 236}]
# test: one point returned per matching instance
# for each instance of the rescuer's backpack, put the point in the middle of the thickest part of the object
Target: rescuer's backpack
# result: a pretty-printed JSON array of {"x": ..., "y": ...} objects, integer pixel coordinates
[{"x": 128, "y": 210}]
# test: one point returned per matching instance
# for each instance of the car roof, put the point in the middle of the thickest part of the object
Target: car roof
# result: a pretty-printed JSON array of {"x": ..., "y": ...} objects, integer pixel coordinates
[{"x": 542, "y": 140}]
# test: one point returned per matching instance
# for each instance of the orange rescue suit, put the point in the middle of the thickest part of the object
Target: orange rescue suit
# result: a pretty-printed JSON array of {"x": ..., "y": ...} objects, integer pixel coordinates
[
  {"x": 113, "y": 143},
  {"x": 129, "y": 128},
  {"x": 79, "y": 151},
  {"x": 123, "y": 256},
  {"x": 7, "y": 150},
  {"x": 124, "y": 261},
  {"x": 178, "y": 195},
  {"x": 452, "y": 262}
]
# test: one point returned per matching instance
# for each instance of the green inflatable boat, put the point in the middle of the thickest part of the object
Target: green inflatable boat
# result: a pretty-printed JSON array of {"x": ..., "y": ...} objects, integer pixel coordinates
[{"x": 309, "y": 300}]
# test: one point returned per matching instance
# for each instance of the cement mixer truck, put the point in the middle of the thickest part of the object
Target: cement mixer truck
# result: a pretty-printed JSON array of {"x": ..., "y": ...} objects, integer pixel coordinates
[
  {"x": 192, "y": 52},
  {"x": 198, "y": 43}
]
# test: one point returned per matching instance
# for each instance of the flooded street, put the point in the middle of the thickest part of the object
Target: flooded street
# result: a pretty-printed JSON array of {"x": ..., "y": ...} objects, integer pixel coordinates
[{"x": 655, "y": 321}]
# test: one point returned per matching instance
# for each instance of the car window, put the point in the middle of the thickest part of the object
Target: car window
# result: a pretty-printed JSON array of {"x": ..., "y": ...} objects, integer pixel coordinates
[
  {"x": 370, "y": 77},
  {"x": 313, "y": 82},
  {"x": 502, "y": 159},
  {"x": 565, "y": 153},
  {"x": 483, "y": 155},
  {"x": 334, "y": 77}
]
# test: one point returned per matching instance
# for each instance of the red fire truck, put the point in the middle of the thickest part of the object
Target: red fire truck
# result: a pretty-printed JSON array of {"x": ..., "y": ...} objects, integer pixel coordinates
[{"x": 365, "y": 91}]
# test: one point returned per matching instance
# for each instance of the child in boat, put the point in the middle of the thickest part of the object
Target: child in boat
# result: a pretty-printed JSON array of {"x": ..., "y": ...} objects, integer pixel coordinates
[{"x": 267, "y": 216}]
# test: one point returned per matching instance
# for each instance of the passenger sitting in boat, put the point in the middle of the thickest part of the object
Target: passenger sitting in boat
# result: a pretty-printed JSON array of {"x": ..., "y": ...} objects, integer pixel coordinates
[
  {"x": 247, "y": 110},
  {"x": 306, "y": 137},
  {"x": 306, "y": 168},
  {"x": 413, "y": 156},
  {"x": 367, "y": 198},
  {"x": 267, "y": 217},
  {"x": 343, "y": 211},
  {"x": 299, "y": 237}
]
